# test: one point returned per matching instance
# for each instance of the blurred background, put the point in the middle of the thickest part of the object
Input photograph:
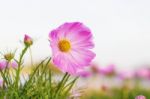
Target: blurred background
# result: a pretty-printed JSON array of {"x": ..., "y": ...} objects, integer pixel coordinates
[{"x": 121, "y": 30}]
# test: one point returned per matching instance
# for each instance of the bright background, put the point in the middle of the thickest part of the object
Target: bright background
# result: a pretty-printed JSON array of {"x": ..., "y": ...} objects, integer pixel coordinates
[{"x": 121, "y": 28}]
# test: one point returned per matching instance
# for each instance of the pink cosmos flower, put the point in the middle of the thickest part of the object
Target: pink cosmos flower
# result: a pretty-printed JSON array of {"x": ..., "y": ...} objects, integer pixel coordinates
[
  {"x": 28, "y": 40},
  {"x": 71, "y": 44},
  {"x": 140, "y": 97}
]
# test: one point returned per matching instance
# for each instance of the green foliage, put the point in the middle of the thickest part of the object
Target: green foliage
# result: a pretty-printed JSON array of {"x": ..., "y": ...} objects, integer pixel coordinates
[{"x": 39, "y": 84}]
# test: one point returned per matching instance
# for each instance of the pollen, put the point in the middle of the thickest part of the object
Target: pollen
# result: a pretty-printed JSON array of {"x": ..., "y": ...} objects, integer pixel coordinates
[{"x": 64, "y": 45}]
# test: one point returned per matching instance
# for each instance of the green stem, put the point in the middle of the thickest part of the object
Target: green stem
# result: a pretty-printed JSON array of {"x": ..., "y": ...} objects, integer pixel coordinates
[
  {"x": 5, "y": 80},
  {"x": 6, "y": 67},
  {"x": 32, "y": 75},
  {"x": 19, "y": 66},
  {"x": 61, "y": 84},
  {"x": 5, "y": 73},
  {"x": 50, "y": 85},
  {"x": 72, "y": 82},
  {"x": 71, "y": 85}
]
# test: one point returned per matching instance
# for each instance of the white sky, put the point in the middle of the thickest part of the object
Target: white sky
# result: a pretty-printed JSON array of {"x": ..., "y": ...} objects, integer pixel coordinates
[{"x": 121, "y": 28}]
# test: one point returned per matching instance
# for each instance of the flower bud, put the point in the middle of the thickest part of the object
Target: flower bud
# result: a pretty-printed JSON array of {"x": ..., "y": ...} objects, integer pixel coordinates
[
  {"x": 28, "y": 40},
  {"x": 9, "y": 56}
]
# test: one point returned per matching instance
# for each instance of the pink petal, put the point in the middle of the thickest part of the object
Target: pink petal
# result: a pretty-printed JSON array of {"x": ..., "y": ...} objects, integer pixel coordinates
[
  {"x": 63, "y": 62},
  {"x": 82, "y": 56}
]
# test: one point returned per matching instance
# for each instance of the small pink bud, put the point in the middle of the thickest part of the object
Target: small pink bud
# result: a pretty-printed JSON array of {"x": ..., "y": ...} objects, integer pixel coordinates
[
  {"x": 28, "y": 40},
  {"x": 140, "y": 97}
]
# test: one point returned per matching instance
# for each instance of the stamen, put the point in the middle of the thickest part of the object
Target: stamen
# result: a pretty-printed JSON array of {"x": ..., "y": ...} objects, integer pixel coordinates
[{"x": 64, "y": 45}]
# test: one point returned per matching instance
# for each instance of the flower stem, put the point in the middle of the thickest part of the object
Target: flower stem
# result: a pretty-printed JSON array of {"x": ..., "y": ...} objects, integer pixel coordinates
[
  {"x": 5, "y": 74},
  {"x": 19, "y": 66},
  {"x": 71, "y": 85}
]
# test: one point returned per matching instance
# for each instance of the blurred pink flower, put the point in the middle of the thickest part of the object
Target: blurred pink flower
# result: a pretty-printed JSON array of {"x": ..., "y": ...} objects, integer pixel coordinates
[
  {"x": 13, "y": 64},
  {"x": 71, "y": 44},
  {"x": 3, "y": 64},
  {"x": 28, "y": 40},
  {"x": 143, "y": 73},
  {"x": 109, "y": 70},
  {"x": 140, "y": 97},
  {"x": 124, "y": 75},
  {"x": 84, "y": 74},
  {"x": 95, "y": 68}
]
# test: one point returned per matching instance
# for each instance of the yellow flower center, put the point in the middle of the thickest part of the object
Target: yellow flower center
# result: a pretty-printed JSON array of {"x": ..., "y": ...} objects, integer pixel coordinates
[{"x": 64, "y": 45}]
